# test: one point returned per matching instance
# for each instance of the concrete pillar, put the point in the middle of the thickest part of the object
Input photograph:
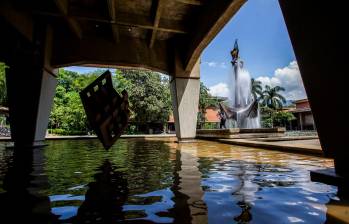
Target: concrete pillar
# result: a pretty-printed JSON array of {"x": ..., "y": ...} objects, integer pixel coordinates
[
  {"x": 31, "y": 85},
  {"x": 301, "y": 120},
  {"x": 320, "y": 41},
  {"x": 185, "y": 102}
]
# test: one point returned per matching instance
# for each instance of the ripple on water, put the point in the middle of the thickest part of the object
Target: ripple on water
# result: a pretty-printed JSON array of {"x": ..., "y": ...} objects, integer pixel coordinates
[{"x": 164, "y": 182}]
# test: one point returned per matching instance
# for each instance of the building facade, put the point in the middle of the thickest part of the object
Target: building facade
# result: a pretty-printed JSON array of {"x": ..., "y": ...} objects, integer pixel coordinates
[{"x": 304, "y": 116}]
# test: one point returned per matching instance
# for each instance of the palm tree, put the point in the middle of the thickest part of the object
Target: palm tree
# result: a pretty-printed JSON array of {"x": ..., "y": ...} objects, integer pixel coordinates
[
  {"x": 256, "y": 88},
  {"x": 272, "y": 98}
]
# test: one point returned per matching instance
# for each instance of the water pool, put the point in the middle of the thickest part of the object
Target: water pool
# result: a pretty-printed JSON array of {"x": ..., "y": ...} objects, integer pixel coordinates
[{"x": 160, "y": 181}]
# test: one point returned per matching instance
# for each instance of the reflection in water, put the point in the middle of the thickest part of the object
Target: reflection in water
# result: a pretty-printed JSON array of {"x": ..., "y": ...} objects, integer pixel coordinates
[
  {"x": 190, "y": 183},
  {"x": 159, "y": 181},
  {"x": 21, "y": 199},
  {"x": 105, "y": 197}
]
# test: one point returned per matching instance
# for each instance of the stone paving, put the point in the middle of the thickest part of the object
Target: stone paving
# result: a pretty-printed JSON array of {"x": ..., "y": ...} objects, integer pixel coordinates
[{"x": 307, "y": 146}]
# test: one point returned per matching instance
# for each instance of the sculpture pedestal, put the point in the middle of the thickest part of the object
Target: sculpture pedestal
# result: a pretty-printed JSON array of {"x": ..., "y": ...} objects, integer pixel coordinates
[{"x": 236, "y": 133}]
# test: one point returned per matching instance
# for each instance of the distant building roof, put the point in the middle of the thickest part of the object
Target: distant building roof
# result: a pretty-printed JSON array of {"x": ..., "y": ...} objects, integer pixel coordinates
[
  {"x": 211, "y": 116},
  {"x": 301, "y": 101}
]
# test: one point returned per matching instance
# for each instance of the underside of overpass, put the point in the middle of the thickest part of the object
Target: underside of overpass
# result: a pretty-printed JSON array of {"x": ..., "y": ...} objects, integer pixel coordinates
[
  {"x": 166, "y": 36},
  {"x": 162, "y": 35}
]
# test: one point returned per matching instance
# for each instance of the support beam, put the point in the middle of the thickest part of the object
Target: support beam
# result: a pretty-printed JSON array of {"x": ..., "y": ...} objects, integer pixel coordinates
[
  {"x": 127, "y": 19},
  {"x": 62, "y": 6},
  {"x": 30, "y": 86},
  {"x": 159, "y": 7},
  {"x": 112, "y": 15},
  {"x": 320, "y": 42},
  {"x": 216, "y": 15},
  {"x": 185, "y": 101},
  {"x": 21, "y": 21},
  {"x": 131, "y": 53},
  {"x": 190, "y": 2}
]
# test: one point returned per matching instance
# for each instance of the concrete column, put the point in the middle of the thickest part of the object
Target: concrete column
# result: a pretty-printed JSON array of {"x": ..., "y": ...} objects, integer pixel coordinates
[
  {"x": 320, "y": 42},
  {"x": 185, "y": 102},
  {"x": 31, "y": 85},
  {"x": 301, "y": 121}
]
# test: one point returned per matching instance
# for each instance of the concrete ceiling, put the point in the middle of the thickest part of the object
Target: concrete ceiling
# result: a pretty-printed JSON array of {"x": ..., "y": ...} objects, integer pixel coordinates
[{"x": 163, "y": 35}]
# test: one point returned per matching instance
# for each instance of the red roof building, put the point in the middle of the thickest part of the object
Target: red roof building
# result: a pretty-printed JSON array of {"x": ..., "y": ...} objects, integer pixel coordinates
[
  {"x": 305, "y": 119},
  {"x": 211, "y": 118}
]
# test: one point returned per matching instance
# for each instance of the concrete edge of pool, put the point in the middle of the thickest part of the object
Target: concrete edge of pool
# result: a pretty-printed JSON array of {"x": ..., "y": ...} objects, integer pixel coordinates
[{"x": 271, "y": 144}]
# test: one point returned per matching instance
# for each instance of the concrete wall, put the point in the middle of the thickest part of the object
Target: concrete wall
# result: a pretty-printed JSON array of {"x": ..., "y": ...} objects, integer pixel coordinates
[{"x": 319, "y": 35}]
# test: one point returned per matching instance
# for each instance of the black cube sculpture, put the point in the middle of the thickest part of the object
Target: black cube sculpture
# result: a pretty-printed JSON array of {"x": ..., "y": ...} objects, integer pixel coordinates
[{"x": 106, "y": 110}]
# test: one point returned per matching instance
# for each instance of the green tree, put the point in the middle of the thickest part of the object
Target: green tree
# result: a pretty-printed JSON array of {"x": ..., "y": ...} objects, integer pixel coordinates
[
  {"x": 68, "y": 113},
  {"x": 149, "y": 98},
  {"x": 272, "y": 98},
  {"x": 3, "y": 89},
  {"x": 149, "y": 95},
  {"x": 205, "y": 101},
  {"x": 281, "y": 118},
  {"x": 256, "y": 88}
]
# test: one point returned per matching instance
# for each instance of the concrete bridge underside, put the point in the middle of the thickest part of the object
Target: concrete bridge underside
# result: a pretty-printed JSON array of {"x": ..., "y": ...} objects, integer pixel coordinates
[{"x": 166, "y": 36}]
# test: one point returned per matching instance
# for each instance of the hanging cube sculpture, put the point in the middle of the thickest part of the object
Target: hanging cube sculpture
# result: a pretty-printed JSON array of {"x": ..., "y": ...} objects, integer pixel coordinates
[{"x": 106, "y": 110}]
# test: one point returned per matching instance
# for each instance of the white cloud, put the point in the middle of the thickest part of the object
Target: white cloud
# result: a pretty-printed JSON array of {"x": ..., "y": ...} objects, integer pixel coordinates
[
  {"x": 215, "y": 64},
  {"x": 221, "y": 89},
  {"x": 212, "y": 64},
  {"x": 288, "y": 77}
]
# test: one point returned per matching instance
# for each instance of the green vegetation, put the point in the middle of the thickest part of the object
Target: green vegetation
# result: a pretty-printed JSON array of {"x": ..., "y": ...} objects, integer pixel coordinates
[
  {"x": 273, "y": 118},
  {"x": 205, "y": 101},
  {"x": 281, "y": 118},
  {"x": 272, "y": 98},
  {"x": 257, "y": 88},
  {"x": 149, "y": 97},
  {"x": 3, "y": 89},
  {"x": 68, "y": 115},
  {"x": 271, "y": 103}
]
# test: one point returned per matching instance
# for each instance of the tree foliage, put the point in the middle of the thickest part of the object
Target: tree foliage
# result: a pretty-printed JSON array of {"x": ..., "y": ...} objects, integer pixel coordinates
[
  {"x": 3, "y": 89},
  {"x": 281, "y": 118},
  {"x": 149, "y": 98},
  {"x": 272, "y": 98},
  {"x": 67, "y": 112},
  {"x": 271, "y": 102},
  {"x": 149, "y": 95},
  {"x": 205, "y": 101},
  {"x": 256, "y": 88}
]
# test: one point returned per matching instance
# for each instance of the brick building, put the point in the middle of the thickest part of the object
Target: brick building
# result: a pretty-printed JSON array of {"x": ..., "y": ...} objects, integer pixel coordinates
[{"x": 302, "y": 112}]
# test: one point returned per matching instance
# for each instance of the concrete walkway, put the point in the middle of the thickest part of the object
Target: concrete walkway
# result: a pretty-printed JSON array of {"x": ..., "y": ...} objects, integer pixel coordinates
[{"x": 305, "y": 146}]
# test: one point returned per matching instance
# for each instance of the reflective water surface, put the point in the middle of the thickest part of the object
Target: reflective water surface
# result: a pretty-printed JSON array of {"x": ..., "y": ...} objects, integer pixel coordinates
[{"x": 160, "y": 181}]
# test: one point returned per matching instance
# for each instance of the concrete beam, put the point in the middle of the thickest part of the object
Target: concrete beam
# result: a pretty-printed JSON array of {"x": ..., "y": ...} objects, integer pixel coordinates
[
  {"x": 185, "y": 101},
  {"x": 215, "y": 14},
  {"x": 127, "y": 53},
  {"x": 190, "y": 2},
  {"x": 157, "y": 15},
  {"x": 320, "y": 42},
  {"x": 22, "y": 22},
  {"x": 112, "y": 14},
  {"x": 62, "y": 6},
  {"x": 127, "y": 19}
]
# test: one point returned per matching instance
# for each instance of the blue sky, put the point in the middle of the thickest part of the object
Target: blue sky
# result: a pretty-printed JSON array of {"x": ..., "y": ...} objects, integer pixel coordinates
[
  {"x": 264, "y": 46},
  {"x": 263, "y": 42}
]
